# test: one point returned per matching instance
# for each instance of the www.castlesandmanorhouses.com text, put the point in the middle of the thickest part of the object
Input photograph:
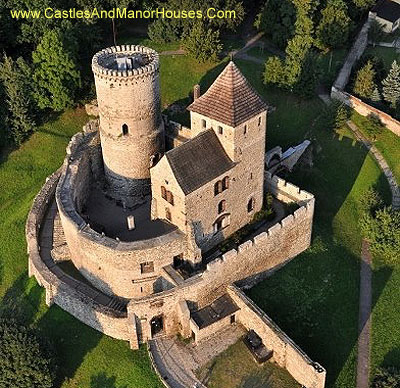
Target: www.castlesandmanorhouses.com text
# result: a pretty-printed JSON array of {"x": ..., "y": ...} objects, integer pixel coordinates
[{"x": 123, "y": 13}]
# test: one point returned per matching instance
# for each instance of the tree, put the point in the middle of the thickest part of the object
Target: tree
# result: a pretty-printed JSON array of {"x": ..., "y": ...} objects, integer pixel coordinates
[
  {"x": 364, "y": 84},
  {"x": 277, "y": 19},
  {"x": 391, "y": 86},
  {"x": 375, "y": 32},
  {"x": 382, "y": 230},
  {"x": 334, "y": 28},
  {"x": 388, "y": 377},
  {"x": 17, "y": 81},
  {"x": 26, "y": 359},
  {"x": 55, "y": 74},
  {"x": 376, "y": 96},
  {"x": 364, "y": 4},
  {"x": 202, "y": 44},
  {"x": 274, "y": 71}
]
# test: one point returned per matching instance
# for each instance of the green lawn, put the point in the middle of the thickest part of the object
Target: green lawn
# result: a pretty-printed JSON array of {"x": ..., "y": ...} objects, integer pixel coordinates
[
  {"x": 86, "y": 358},
  {"x": 388, "y": 54},
  {"x": 386, "y": 279},
  {"x": 315, "y": 297},
  {"x": 387, "y": 143},
  {"x": 236, "y": 368}
]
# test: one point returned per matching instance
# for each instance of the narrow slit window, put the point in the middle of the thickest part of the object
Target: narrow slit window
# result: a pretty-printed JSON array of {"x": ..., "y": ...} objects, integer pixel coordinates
[{"x": 124, "y": 129}]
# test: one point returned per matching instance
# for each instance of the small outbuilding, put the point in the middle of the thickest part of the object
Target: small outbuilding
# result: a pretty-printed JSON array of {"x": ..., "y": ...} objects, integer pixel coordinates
[{"x": 387, "y": 13}]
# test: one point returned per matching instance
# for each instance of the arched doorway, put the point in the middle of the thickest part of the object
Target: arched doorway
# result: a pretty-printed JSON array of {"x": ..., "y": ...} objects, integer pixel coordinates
[{"x": 157, "y": 325}]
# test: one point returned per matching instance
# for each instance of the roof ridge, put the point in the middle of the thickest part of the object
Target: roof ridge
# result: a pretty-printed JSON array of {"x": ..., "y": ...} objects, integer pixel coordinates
[{"x": 230, "y": 99}]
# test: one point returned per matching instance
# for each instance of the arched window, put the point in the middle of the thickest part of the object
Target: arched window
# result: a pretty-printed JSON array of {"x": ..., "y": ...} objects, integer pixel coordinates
[
  {"x": 203, "y": 123},
  {"x": 168, "y": 214},
  {"x": 221, "y": 206},
  {"x": 170, "y": 197},
  {"x": 221, "y": 222},
  {"x": 250, "y": 205},
  {"x": 225, "y": 183},
  {"x": 124, "y": 129},
  {"x": 163, "y": 192}
]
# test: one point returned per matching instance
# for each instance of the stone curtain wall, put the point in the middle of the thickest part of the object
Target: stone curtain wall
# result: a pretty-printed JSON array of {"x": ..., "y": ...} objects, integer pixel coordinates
[
  {"x": 63, "y": 290},
  {"x": 354, "y": 55},
  {"x": 364, "y": 109},
  {"x": 266, "y": 251},
  {"x": 112, "y": 266},
  {"x": 340, "y": 84},
  {"x": 285, "y": 352}
]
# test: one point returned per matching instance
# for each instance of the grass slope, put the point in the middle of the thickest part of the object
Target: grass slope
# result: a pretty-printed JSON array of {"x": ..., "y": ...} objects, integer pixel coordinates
[
  {"x": 315, "y": 297},
  {"x": 86, "y": 357}
]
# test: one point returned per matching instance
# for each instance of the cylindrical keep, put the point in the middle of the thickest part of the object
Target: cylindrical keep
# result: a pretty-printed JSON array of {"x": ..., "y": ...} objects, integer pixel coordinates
[{"x": 131, "y": 126}]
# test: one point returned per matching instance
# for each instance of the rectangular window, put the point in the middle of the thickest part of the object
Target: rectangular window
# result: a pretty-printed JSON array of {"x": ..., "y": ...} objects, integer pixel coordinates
[
  {"x": 220, "y": 130},
  {"x": 147, "y": 267},
  {"x": 203, "y": 123},
  {"x": 233, "y": 318}
]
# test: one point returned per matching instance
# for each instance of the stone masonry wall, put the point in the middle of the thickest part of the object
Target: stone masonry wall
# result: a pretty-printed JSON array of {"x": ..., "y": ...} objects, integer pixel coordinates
[
  {"x": 364, "y": 109},
  {"x": 129, "y": 98},
  {"x": 58, "y": 288},
  {"x": 264, "y": 252},
  {"x": 111, "y": 265},
  {"x": 285, "y": 352}
]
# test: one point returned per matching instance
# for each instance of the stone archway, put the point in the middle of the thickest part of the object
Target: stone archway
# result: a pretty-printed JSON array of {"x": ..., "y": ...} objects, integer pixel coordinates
[{"x": 157, "y": 325}]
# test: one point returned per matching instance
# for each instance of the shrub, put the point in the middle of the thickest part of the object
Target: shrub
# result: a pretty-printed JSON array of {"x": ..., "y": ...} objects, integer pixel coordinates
[
  {"x": 382, "y": 230},
  {"x": 374, "y": 126},
  {"x": 387, "y": 378},
  {"x": 26, "y": 359}
]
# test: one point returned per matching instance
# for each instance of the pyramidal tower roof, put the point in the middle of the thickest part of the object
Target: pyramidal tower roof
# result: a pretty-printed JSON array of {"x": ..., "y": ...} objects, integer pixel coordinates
[{"x": 230, "y": 99}]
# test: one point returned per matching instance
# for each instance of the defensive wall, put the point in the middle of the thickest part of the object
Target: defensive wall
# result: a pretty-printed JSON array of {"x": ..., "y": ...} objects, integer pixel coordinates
[
  {"x": 285, "y": 352},
  {"x": 111, "y": 265},
  {"x": 73, "y": 296},
  {"x": 264, "y": 252},
  {"x": 364, "y": 109},
  {"x": 338, "y": 88}
]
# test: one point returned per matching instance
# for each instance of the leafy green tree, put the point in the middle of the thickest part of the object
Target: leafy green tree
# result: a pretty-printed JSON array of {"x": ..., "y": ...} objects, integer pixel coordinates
[
  {"x": 17, "y": 78},
  {"x": 274, "y": 71},
  {"x": 202, "y": 43},
  {"x": 364, "y": 4},
  {"x": 388, "y": 377},
  {"x": 382, "y": 230},
  {"x": 277, "y": 19},
  {"x": 26, "y": 359},
  {"x": 335, "y": 25},
  {"x": 180, "y": 28},
  {"x": 391, "y": 86},
  {"x": 375, "y": 32},
  {"x": 364, "y": 84},
  {"x": 55, "y": 74}
]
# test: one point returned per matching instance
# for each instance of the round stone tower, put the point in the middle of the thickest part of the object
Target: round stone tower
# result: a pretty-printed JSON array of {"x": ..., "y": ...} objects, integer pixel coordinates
[{"x": 131, "y": 126}]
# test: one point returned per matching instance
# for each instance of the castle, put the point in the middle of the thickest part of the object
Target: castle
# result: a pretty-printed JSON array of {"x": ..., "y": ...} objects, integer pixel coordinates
[{"x": 126, "y": 235}]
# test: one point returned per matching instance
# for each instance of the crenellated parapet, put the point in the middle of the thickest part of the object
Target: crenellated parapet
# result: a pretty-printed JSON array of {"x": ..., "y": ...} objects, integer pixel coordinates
[{"x": 104, "y": 63}]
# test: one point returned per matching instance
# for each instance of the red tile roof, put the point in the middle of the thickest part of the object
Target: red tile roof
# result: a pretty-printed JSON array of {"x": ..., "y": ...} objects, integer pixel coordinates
[{"x": 230, "y": 99}]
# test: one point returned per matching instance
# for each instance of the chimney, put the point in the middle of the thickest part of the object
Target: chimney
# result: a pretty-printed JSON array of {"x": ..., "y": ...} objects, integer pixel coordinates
[{"x": 196, "y": 92}]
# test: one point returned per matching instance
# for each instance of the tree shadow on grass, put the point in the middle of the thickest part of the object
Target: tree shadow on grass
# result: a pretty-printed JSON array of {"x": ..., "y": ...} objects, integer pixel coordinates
[
  {"x": 103, "y": 381},
  {"x": 20, "y": 302}
]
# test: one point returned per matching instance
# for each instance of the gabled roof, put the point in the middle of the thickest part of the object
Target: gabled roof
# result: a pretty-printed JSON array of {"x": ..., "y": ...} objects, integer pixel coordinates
[
  {"x": 198, "y": 161},
  {"x": 230, "y": 99},
  {"x": 388, "y": 10}
]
